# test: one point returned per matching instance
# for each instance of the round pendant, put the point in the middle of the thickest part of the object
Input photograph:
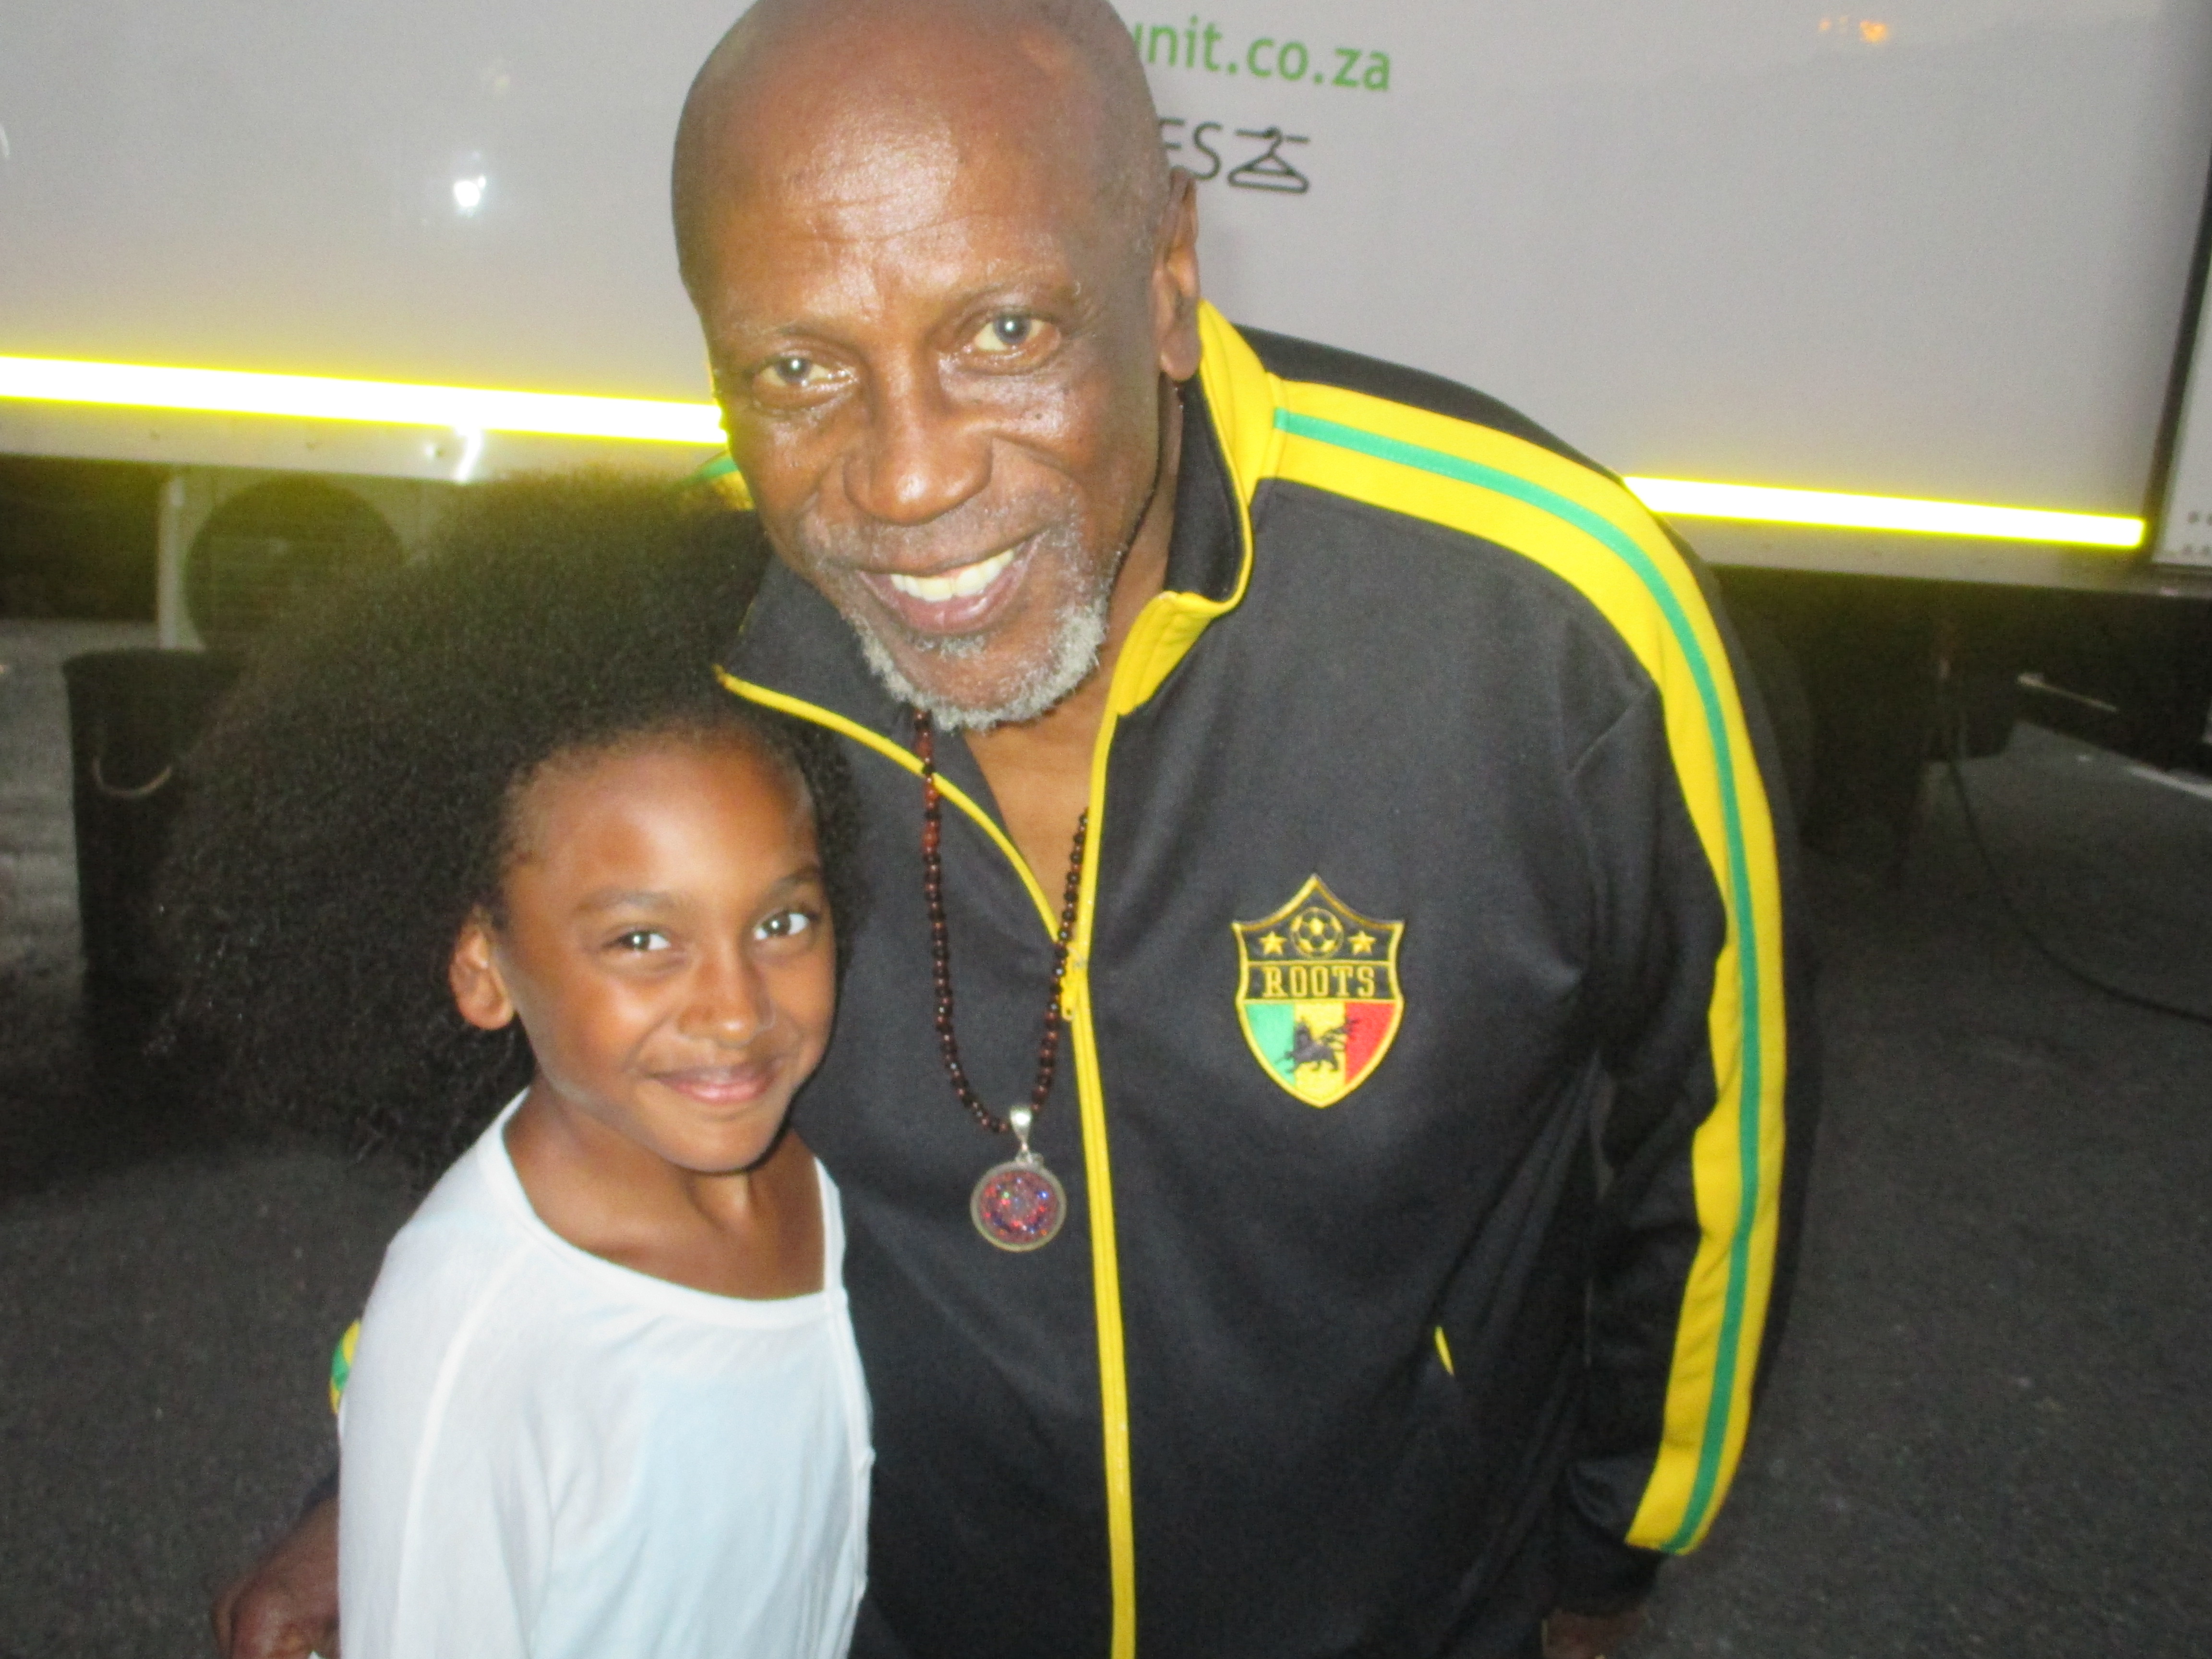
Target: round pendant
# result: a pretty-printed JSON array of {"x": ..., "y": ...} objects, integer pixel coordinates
[{"x": 1019, "y": 1205}]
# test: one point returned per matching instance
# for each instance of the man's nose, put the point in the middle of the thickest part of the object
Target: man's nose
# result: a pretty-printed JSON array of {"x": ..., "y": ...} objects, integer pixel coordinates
[
  {"x": 922, "y": 455},
  {"x": 729, "y": 1001}
]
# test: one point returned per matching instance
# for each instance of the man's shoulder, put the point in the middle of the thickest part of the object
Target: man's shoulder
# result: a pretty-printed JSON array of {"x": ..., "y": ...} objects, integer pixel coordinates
[
  {"x": 1480, "y": 510},
  {"x": 1307, "y": 361}
]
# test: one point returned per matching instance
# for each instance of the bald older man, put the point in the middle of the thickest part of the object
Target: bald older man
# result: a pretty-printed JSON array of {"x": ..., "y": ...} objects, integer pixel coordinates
[{"x": 1313, "y": 1093}]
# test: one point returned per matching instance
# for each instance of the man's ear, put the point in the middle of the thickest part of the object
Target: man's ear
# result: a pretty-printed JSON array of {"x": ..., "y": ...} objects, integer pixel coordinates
[
  {"x": 479, "y": 991},
  {"x": 1175, "y": 279}
]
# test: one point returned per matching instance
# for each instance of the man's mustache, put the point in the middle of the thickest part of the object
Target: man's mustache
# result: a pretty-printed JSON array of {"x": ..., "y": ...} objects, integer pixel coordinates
[{"x": 969, "y": 532}]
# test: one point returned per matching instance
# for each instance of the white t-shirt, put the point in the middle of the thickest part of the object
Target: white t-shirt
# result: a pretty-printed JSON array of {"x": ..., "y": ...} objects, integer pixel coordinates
[{"x": 545, "y": 1454}]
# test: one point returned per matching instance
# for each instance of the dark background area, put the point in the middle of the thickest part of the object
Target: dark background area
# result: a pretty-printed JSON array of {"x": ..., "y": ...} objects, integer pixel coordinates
[{"x": 77, "y": 539}]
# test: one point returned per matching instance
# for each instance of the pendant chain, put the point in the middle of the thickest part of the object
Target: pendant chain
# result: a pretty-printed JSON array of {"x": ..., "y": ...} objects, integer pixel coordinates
[{"x": 932, "y": 889}]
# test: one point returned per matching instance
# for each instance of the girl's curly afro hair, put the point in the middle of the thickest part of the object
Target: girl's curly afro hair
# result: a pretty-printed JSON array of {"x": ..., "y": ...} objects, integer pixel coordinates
[{"x": 349, "y": 808}]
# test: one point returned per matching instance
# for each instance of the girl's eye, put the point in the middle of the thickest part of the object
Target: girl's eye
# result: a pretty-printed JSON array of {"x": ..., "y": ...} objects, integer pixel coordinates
[
  {"x": 1006, "y": 334},
  {"x": 785, "y": 924},
  {"x": 642, "y": 940}
]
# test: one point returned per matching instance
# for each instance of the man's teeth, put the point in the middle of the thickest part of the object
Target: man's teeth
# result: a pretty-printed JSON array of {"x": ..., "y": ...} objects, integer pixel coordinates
[{"x": 955, "y": 584}]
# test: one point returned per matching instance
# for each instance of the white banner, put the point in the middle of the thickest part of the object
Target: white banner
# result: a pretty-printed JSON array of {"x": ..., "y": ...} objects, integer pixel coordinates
[
  {"x": 1937, "y": 249},
  {"x": 1934, "y": 249}
]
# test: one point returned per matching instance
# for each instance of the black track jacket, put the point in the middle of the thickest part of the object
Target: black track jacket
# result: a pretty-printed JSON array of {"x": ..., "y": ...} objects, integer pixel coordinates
[{"x": 1427, "y": 1084}]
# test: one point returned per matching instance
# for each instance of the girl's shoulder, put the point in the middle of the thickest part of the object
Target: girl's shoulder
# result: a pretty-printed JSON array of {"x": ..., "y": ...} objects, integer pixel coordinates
[
  {"x": 474, "y": 1223},
  {"x": 474, "y": 1338},
  {"x": 462, "y": 1271},
  {"x": 460, "y": 1236}
]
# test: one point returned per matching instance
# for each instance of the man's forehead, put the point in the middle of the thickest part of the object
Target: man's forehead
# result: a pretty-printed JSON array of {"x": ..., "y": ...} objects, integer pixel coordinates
[
  {"x": 881, "y": 187},
  {"x": 908, "y": 183},
  {"x": 860, "y": 184},
  {"x": 842, "y": 124}
]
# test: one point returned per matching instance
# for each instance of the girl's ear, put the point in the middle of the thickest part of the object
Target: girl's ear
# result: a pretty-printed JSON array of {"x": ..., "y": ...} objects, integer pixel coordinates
[{"x": 478, "y": 991}]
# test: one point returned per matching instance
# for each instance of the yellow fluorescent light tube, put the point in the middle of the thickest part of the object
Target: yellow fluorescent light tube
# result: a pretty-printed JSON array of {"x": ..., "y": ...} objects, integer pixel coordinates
[
  {"x": 228, "y": 392},
  {"x": 1680, "y": 498},
  {"x": 468, "y": 409}
]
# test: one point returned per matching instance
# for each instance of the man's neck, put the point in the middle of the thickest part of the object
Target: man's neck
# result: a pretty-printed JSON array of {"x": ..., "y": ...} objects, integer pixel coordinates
[{"x": 1040, "y": 770}]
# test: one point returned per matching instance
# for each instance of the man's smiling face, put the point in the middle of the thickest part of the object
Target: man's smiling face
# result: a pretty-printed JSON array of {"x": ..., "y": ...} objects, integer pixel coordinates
[{"x": 936, "y": 342}]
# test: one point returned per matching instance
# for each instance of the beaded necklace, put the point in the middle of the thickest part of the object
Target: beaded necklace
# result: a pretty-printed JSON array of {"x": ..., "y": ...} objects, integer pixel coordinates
[{"x": 1019, "y": 1205}]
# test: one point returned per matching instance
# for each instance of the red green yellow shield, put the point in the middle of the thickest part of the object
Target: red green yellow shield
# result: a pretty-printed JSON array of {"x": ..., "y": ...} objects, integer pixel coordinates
[{"x": 1318, "y": 993}]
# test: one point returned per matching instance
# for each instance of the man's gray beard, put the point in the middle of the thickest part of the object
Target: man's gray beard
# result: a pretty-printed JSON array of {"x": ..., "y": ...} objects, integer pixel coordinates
[{"x": 1074, "y": 654}]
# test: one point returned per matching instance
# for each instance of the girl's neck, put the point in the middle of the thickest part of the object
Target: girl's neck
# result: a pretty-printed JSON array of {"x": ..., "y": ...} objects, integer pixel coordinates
[{"x": 754, "y": 1233}]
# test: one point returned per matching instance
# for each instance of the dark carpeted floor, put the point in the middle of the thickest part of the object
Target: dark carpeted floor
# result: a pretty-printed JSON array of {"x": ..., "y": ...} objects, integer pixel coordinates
[{"x": 1988, "y": 1430}]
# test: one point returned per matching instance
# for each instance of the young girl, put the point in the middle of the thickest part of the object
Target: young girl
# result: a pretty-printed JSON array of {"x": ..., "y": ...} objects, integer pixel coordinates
[{"x": 492, "y": 819}]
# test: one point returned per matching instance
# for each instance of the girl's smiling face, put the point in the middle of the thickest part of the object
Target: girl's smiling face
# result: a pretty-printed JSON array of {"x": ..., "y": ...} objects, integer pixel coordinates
[{"x": 665, "y": 942}]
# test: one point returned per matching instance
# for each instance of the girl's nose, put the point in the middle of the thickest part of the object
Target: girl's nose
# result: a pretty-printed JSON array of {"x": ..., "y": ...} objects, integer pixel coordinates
[{"x": 729, "y": 1002}]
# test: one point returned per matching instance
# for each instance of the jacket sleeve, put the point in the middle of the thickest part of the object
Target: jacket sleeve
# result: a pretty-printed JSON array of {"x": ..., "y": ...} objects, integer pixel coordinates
[{"x": 1701, "y": 985}]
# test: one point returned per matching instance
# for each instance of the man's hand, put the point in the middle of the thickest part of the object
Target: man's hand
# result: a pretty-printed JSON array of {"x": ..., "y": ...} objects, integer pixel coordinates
[
  {"x": 1590, "y": 1636},
  {"x": 288, "y": 1605}
]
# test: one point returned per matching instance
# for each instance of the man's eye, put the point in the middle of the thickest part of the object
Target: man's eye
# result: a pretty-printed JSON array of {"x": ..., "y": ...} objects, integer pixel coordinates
[
  {"x": 783, "y": 375},
  {"x": 1005, "y": 334},
  {"x": 785, "y": 924}
]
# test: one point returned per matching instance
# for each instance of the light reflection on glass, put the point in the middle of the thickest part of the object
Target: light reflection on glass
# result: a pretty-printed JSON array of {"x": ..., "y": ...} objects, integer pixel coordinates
[
  {"x": 472, "y": 449},
  {"x": 1868, "y": 31}
]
